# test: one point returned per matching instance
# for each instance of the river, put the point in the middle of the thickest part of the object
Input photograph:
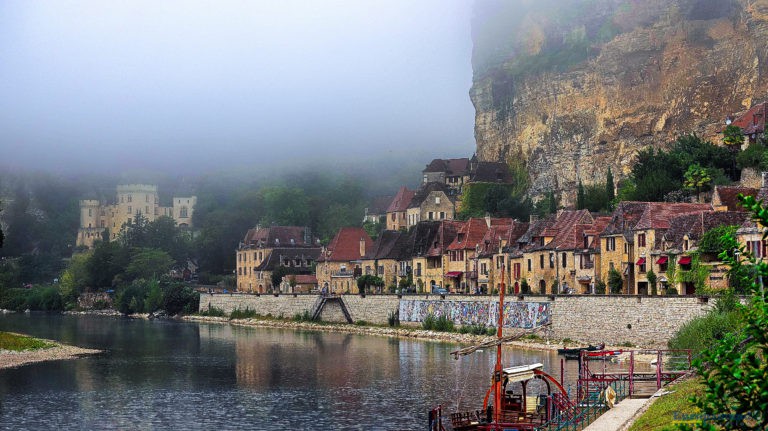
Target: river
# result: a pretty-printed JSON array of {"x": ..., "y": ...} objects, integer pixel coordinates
[{"x": 184, "y": 375}]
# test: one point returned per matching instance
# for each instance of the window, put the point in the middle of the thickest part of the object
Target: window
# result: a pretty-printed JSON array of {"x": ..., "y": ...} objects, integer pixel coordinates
[
  {"x": 685, "y": 245},
  {"x": 146, "y": 198},
  {"x": 146, "y": 209},
  {"x": 626, "y": 248},
  {"x": 564, "y": 260},
  {"x": 641, "y": 240},
  {"x": 102, "y": 223},
  {"x": 254, "y": 255},
  {"x": 541, "y": 261},
  {"x": 552, "y": 257},
  {"x": 130, "y": 198},
  {"x": 483, "y": 269},
  {"x": 516, "y": 272},
  {"x": 381, "y": 269},
  {"x": 130, "y": 210},
  {"x": 89, "y": 212},
  {"x": 442, "y": 215},
  {"x": 183, "y": 212},
  {"x": 437, "y": 200},
  {"x": 431, "y": 214},
  {"x": 529, "y": 265}
]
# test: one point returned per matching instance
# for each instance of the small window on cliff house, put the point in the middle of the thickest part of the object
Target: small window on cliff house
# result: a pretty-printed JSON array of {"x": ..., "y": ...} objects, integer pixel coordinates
[{"x": 641, "y": 240}]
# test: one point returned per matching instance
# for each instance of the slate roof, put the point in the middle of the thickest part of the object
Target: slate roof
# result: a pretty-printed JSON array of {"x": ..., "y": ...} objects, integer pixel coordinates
[
  {"x": 273, "y": 260},
  {"x": 535, "y": 229},
  {"x": 451, "y": 167},
  {"x": 379, "y": 205},
  {"x": 565, "y": 235},
  {"x": 345, "y": 246},
  {"x": 276, "y": 236},
  {"x": 494, "y": 236},
  {"x": 658, "y": 214},
  {"x": 752, "y": 121},
  {"x": 422, "y": 193},
  {"x": 597, "y": 226},
  {"x": 729, "y": 196},
  {"x": 694, "y": 225},
  {"x": 401, "y": 200},
  {"x": 491, "y": 172},
  {"x": 391, "y": 244},
  {"x": 445, "y": 235}
]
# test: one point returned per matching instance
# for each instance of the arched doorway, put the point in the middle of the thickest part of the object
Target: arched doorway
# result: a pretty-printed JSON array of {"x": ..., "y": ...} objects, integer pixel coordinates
[{"x": 542, "y": 287}]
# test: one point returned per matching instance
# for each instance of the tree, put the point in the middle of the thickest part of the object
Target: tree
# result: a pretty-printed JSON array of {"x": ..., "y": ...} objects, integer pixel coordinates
[
  {"x": 733, "y": 371},
  {"x": 609, "y": 186},
  {"x": 733, "y": 137},
  {"x": 363, "y": 282},
  {"x": 615, "y": 281},
  {"x": 652, "y": 282},
  {"x": 697, "y": 178},
  {"x": 148, "y": 263},
  {"x": 716, "y": 240},
  {"x": 580, "y": 197}
]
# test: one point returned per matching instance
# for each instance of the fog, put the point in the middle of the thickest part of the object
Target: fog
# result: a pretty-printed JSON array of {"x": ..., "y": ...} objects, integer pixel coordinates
[{"x": 185, "y": 87}]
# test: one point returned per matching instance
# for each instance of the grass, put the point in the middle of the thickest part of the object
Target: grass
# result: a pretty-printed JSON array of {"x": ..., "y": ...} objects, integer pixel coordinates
[
  {"x": 660, "y": 415},
  {"x": 17, "y": 343}
]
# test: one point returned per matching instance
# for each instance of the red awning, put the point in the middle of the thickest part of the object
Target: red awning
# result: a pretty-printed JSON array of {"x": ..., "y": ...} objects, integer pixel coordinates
[
  {"x": 684, "y": 260},
  {"x": 640, "y": 261},
  {"x": 454, "y": 274},
  {"x": 662, "y": 260}
]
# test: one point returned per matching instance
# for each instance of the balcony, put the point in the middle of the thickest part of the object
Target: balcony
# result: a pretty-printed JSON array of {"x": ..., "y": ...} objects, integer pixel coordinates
[{"x": 345, "y": 273}]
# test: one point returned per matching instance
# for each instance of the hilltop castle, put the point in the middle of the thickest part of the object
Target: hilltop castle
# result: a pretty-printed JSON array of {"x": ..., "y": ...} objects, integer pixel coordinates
[{"x": 131, "y": 199}]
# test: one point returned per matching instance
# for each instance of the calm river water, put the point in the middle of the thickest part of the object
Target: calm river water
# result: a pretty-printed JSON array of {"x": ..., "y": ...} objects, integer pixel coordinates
[{"x": 172, "y": 375}]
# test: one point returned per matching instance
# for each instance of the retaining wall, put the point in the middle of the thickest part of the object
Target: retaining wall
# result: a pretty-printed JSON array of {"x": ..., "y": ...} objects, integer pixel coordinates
[{"x": 613, "y": 319}]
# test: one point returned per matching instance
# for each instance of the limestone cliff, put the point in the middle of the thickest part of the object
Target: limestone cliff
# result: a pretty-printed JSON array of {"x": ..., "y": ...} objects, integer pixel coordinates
[{"x": 577, "y": 86}]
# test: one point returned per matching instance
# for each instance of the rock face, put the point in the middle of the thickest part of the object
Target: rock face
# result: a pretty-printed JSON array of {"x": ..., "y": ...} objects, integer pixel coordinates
[{"x": 578, "y": 86}]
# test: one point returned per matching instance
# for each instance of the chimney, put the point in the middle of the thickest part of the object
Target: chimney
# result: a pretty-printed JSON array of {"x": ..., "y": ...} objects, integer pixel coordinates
[{"x": 362, "y": 246}]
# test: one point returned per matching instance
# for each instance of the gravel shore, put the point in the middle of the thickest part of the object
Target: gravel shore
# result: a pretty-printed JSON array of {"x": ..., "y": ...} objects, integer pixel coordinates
[
  {"x": 13, "y": 359},
  {"x": 402, "y": 332}
]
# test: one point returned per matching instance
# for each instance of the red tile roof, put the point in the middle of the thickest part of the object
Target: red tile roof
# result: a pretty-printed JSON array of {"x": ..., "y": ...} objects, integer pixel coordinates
[
  {"x": 401, "y": 200},
  {"x": 729, "y": 196},
  {"x": 446, "y": 234},
  {"x": 568, "y": 230},
  {"x": 752, "y": 121},
  {"x": 345, "y": 246},
  {"x": 470, "y": 235},
  {"x": 658, "y": 214}
]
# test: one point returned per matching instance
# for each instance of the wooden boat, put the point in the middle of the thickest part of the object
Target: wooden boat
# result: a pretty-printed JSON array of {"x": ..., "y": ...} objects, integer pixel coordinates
[
  {"x": 577, "y": 350},
  {"x": 523, "y": 398}
]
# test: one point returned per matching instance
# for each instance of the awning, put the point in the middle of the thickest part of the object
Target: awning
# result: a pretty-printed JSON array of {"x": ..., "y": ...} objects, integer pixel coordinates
[
  {"x": 662, "y": 260},
  {"x": 454, "y": 274},
  {"x": 521, "y": 373},
  {"x": 684, "y": 260},
  {"x": 640, "y": 261}
]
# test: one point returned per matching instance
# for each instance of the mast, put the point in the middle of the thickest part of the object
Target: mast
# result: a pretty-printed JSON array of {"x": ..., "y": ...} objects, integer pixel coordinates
[{"x": 497, "y": 372}]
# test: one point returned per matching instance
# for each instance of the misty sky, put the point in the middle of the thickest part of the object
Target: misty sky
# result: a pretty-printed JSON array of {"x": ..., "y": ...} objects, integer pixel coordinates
[{"x": 178, "y": 85}]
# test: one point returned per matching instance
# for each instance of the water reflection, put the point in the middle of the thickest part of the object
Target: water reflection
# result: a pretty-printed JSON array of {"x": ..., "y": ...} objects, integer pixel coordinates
[{"x": 169, "y": 375}]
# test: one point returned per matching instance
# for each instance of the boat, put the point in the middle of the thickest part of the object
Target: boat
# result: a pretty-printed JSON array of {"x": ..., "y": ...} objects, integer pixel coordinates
[
  {"x": 576, "y": 350},
  {"x": 524, "y": 397}
]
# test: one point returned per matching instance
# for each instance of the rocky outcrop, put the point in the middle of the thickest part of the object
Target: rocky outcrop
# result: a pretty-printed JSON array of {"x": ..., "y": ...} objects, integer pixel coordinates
[{"x": 578, "y": 86}]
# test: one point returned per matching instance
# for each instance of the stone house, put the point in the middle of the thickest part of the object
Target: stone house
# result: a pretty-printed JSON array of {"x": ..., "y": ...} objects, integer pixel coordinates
[
  {"x": 454, "y": 173},
  {"x": 397, "y": 209},
  {"x": 432, "y": 201},
  {"x": 682, "y": 236},
  {"x": 587, "y": 255},
  {"x": 491, "y": 257},
  {"x": 377, "y": 209},
  {"x": 429, "y": 252},
  {"x": 298, "y": 283},
  {"x": 521, "y": 256},
  {"x": 752, "y": 123},
  {"x": 463, "y": 253},
  {"x": 340, "y": 263},
  {"x": 293, "y": 247},
  {"x": 389, "y": 257},
  {"x": 725, "y": 198}
]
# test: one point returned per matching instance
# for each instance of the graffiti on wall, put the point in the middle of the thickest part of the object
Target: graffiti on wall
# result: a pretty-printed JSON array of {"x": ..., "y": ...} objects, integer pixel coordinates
[{"x": 516, "y": 314}]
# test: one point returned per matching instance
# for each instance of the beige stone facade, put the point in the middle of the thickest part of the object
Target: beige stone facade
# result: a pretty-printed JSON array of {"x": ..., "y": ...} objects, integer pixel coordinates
[{"x": 98, "y": 217}]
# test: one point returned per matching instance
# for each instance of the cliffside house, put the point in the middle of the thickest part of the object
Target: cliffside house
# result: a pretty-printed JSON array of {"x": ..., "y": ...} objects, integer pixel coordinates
[
  {"x": 725, "y": 198},
  {"x": 431, "y": 201},
  {"x": 398, "y": 208},
  {"x": 454, "y": 173},
  {"x": 752, "y": 123},
  {"x": 340, "y": 263}
]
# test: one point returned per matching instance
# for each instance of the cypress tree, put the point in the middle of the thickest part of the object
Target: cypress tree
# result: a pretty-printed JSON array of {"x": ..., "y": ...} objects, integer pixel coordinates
[
  {"x": 609, "y": 191},
  {"x": 580, "y": 197}
]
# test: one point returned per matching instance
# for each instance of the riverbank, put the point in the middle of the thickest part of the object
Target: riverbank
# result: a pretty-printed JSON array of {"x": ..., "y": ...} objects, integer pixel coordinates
[
  {"x": 50, "y": 351},
  {"x": 531, "y": 342}
]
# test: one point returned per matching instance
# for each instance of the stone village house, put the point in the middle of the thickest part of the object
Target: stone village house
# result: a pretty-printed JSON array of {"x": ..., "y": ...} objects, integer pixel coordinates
[{"x": 341, "y": 262}]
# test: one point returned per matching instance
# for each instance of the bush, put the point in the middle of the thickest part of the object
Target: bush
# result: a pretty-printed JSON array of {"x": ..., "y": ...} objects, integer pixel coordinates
[
  {"x": 702, "y": 332},
  {"x": 213, "y": 312},
  {"x": 180, "y": 298},
  {"x": 444, "y": 324},
  {"x": 243, "y": 314},
  {"x": 393, "y": 318},
  {"x": 361, "y": 323},
  {"x": 302, "y": 317},
  {"x": 477, "y": 329},
  {"x": 429, "y": 322},
  {"x": 600, "y": 287}
]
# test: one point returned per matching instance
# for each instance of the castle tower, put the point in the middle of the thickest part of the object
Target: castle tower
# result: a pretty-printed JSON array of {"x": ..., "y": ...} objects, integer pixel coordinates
[{"x": 91, "y": 222}]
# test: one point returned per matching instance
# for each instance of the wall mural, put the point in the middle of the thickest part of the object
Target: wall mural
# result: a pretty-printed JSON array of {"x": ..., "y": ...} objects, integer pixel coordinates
[{"x": 516, "y": 314}]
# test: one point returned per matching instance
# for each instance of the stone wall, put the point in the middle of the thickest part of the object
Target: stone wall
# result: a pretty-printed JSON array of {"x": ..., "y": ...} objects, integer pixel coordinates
[{"x": 641, "y": 320}]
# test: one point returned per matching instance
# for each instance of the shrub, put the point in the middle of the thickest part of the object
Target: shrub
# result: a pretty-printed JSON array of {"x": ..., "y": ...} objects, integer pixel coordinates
[
  {"x": 701, "y": 333},
  {"x": 302, "y": 317},
  {"x": 213, "y": 312},
  {"x": 444, "y": 324},
  {"x": 600, "y": 287},
  {"x": 361, "y": 323},
  {"x": 429, "y": 322},
  {"x": 393, "y": 318},
  {"x": 243, "y": 314}
]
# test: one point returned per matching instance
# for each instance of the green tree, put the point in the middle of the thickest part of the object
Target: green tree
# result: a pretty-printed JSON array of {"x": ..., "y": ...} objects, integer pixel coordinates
[
  {"x": 610, "y": 194},
  {"x": 652, "y": 282},
  {"x": 734, "y": 371},
  {"x": 717, "y": 240},
  {"x": 148, "y": 263},
  {"x": 366, "y": 281},
  {"x": 733, "y": 136},
  {"x": 615, "y": 281},
  {"x": 154, "y": 298},
  {"x": 75, "y": 279},
  {"x": 697, "y": 179}
]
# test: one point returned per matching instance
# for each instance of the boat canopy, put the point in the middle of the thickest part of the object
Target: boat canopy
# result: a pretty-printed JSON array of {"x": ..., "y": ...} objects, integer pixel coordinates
[{"x": 521, "y": 373}]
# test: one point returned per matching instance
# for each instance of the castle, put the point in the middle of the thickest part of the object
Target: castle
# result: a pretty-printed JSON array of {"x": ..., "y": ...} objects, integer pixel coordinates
[{"x": 97, "y": 217}]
